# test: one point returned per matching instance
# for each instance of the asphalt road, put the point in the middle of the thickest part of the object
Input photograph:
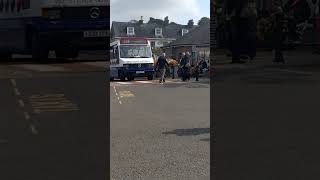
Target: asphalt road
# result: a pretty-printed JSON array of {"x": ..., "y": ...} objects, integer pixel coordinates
[
  {"x": 267, "y": 122},
  {"x": 53, "y": 123},
  {"x": 160, "y": 131}
]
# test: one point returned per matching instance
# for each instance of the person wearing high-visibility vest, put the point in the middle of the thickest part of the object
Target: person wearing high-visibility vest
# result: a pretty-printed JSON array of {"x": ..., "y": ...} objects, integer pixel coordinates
[{"x": 172, "y": 62}]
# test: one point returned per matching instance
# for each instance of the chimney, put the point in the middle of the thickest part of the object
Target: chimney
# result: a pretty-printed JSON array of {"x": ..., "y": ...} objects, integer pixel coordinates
[{"x": 141, "y": 20}]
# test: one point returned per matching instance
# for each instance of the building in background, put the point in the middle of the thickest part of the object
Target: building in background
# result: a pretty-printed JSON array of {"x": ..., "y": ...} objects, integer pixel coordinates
[
  {"x": 159, "y": 34},
  {"x": 197, "y": 42}
]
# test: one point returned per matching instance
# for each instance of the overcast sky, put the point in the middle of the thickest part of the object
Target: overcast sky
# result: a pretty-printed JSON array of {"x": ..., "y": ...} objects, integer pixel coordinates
[{"x": 179, "y": 11}]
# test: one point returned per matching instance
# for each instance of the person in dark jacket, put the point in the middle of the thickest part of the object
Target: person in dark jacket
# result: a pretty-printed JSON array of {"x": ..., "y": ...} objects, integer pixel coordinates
[
  {"x": 161, "y": 65},
  {"x": 185, "y": 65},
  {"x": 252, "y": 34},
  {"x": 278, "y": 35},
  {"x": 236, "y": 35}
]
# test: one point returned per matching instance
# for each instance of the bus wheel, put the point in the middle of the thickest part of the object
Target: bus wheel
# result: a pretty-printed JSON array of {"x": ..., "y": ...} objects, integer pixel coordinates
[
  {"x": 39, "y": 50},
  {"x": 150, "y": 77}
]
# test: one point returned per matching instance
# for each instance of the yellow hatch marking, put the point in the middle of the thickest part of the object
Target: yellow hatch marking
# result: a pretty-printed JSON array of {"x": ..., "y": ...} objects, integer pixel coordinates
[
  {"x": 126, "y": 94},
  {"x": 52, "y": 103}
]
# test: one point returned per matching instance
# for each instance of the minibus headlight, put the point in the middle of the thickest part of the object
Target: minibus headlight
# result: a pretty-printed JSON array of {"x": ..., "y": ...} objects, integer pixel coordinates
[{"x": 51, "y": 13}]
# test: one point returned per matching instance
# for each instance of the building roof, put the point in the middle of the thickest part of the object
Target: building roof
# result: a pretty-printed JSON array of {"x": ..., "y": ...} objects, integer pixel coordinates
[
  {"x": 199, "y": 36},
  {"x": 172, "y": 30}
]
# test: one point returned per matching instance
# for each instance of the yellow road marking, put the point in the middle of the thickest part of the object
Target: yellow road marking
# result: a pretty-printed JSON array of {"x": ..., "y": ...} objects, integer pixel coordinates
[
  {"x": 46, "y": 96},
  {"x": 52, "y": 103},
  {"x": 126, "y": 94}
]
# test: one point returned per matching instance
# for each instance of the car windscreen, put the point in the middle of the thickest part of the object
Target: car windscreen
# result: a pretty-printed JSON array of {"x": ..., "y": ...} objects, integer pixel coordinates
[{"x": 135, "y": 51}]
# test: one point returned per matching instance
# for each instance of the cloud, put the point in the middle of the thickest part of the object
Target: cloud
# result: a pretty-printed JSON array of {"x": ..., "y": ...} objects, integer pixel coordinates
[{"x": 179, "y": 11}]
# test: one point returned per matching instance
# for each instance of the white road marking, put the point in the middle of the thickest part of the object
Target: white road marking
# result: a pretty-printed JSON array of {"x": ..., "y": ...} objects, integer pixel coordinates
[
  {"x": 26, "y": 115},
  {"x": 21, "y": 103},
  {"x": 33, "y": 129},
  {"x": 13, "y": 82},
  {"x": 16, "y": 91},
  {"x": 115, "y": 90}
]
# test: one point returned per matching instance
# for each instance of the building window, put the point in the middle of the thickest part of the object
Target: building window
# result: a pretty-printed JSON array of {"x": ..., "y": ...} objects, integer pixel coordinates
[
  {"x": 158, "y": 31},
  {"x": 184, "y": 31},
  {"x": 130, "y": 30}
]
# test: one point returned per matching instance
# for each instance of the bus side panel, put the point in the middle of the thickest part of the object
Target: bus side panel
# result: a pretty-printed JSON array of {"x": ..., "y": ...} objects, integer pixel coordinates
[{"x": 12, "y": 34}]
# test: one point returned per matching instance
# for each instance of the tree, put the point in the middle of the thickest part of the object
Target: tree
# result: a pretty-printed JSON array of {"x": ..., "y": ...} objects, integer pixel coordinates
[
  {"x": 203, "y": 21},
  {"x": 190, "y": 23}
]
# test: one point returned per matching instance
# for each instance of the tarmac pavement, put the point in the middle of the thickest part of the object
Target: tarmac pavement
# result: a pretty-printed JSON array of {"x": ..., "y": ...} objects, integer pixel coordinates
[
  {"x": 160, "y": 131},
  {"x": 266, "y": 119},
  {"x": 54, "y": 121}
]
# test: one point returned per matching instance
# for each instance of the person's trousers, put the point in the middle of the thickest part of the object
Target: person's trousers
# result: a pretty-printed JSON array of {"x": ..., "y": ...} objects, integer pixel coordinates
[
  {"x": 162, "y": 74},
  {"x": 173, "y": 72},
  {"x": 197, "y": 75}
]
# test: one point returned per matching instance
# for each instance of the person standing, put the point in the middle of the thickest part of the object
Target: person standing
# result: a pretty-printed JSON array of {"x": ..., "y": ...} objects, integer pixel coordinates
[
  {"x": 236, "y": 34},
  {"x": 278, "y": 35},
  {"x": 172, "y": 64},
  {"x": 197, "y": 71},
  {"x": 252, "y": 33},
  {"x": 161, "y": 65},
  {"x": 186, "y": 67}
]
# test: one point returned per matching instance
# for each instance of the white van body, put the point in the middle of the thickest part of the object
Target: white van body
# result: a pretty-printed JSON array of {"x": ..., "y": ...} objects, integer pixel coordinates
[
  {"x": 37, "y": 26},
  {"x": 131, "y": 59}
]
